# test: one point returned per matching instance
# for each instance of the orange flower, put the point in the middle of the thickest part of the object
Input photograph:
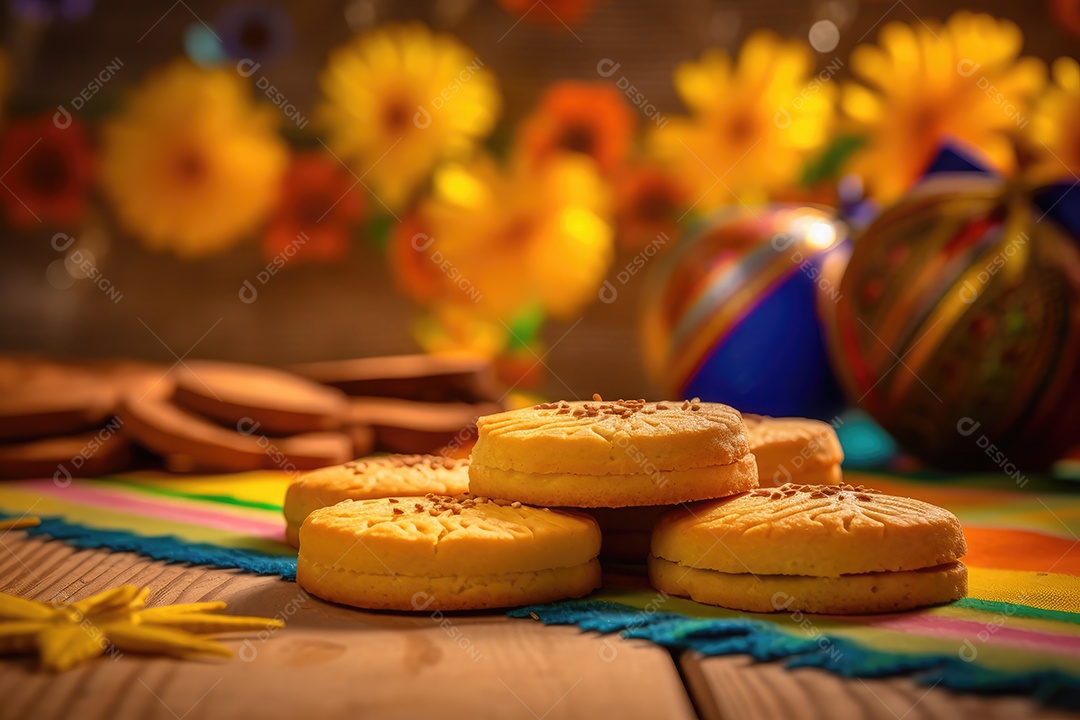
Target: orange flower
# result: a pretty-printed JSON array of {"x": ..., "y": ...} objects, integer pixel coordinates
[
  {"x": 550, "y": 12},
  {"x": 649, "y": 202},
  {"x": 588, "y": 118},
  {"x": 316, "y": 210},
  {"x": 47, "y": 172},
  {"x": 410, "y": 265}
]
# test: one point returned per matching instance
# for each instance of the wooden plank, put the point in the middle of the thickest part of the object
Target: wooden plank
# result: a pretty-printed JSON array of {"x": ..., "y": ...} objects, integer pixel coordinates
[
  {"x": 330, "y": 660},
  {"x": 736, "y": 687}
]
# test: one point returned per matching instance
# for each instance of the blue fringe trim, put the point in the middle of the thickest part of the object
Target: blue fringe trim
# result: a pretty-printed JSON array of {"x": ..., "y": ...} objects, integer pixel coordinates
[
  {"x": 168, "y": 548},
  {"x": 765, "y": 641}
]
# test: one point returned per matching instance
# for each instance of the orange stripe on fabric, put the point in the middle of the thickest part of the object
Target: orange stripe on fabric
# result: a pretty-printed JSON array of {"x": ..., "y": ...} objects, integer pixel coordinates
[{"x": 1011, "y": 549}]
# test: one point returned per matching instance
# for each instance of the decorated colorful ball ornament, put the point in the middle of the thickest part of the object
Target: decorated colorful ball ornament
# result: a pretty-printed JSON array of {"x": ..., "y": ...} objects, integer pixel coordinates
[
  {"x": 958, "y": 325},
  {"x": 732, "y": 313}
]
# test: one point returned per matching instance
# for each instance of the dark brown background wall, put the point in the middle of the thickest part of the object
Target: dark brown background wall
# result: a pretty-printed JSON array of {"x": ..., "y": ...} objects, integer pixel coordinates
[{"x": 351, "y": 309}]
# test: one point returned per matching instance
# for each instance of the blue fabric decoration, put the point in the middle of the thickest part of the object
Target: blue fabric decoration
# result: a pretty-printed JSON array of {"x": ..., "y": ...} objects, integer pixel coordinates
[
  {"x": 764, "y": 641},
  {"x": 168, "y": 548}
]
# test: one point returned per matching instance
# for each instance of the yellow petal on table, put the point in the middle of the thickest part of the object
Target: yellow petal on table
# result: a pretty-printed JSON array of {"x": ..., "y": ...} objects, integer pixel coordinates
[
  {"x": 124, "y": 596},
  {"x": 160, "y": 640},
  {"x": 208, "y": 624},
  {"x": 64, "y": 645},
  {"x": 19, "y": 636},
  {"x": 66, "y": 634},
  {"x": 156, "y": 614},
  {"x": 17, "y": 608}
]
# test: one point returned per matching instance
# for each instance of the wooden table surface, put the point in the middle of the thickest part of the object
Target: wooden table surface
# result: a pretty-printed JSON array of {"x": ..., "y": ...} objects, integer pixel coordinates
[{"x": 334, "y": 662}]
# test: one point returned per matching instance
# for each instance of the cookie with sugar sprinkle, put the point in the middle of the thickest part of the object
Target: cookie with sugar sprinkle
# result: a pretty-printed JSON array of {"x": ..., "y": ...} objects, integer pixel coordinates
[
  {"x": 619, "y": 453},
  {"x": 372, "y": 477},
  {"x": 815, "y": 548},
  {"x": 819, "y": 530},
  {"x": 439, "y": 552}
]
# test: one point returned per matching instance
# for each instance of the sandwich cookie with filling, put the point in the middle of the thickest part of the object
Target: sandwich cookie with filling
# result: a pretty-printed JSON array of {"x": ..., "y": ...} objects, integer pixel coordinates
[
  {"x": 446, "y": 553},
  {"x": 815, "y": 548}
]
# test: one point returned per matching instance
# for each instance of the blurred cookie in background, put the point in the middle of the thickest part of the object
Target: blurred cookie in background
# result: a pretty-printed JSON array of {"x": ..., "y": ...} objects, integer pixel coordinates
[
  {"x": 424, "y": 378},
  {"x": 794, "y": 450}
]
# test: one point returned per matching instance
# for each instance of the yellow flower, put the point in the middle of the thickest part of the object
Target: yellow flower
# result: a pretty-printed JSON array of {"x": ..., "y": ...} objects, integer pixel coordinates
[
  {"x": 116, "y": 621},
  {"x": 507, "y": 240},
  {"x": 1056, "y": 119},
  {"x": 399, "y": 100},
  {"x": 752, "y": 123},
  {"x": 933, "y": 82},
  {"x": 191, "y": 165}
]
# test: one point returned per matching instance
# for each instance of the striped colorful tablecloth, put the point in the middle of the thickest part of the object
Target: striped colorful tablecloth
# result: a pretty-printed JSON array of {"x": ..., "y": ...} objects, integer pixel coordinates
[
  {"x": 230, "y": 521},
  {"x": 1018, "y": 630}
]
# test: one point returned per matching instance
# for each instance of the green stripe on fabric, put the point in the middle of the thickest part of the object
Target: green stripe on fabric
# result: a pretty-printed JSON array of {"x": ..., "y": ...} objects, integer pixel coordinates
[
  {"x": 223, "y": 499},
  {"x": 1012, "y": 609}
]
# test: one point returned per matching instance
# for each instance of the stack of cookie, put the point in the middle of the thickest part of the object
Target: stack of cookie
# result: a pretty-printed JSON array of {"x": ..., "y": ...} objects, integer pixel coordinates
[
  {"x": 206, "y": 416},
  {"x": 625, "y": 462},
  {"x": 647, "y": 458},
  {"x": 92, "y": 417},
  {"x": 411, "y": 403},
  {"x": 524, "y": 534},
  {"x": 58, "y": 419}
]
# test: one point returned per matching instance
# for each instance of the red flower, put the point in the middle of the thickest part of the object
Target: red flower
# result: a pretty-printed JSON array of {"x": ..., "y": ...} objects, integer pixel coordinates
[
  {"x": 550, "y": 12},
  {"x": 46, "y": 172},
  {"x": 318, "y": 205},
  {"x": 588, "y": 118},
  {"x": 649, "y": 202}
]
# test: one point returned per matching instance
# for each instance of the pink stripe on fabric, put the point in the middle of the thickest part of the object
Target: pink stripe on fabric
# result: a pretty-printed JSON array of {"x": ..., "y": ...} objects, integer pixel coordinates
[
  {"x": 174, "y": 509},
  {"x": 976, "y": 632}
]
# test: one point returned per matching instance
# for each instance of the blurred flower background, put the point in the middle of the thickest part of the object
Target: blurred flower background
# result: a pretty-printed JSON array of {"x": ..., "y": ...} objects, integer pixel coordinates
[{"x": 467, "y": 176}]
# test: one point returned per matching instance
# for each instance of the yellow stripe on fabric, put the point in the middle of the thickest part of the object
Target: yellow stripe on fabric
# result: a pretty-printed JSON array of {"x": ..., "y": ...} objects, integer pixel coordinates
[
  {"x": 16, "y": 501},
  {"x": 1050, "y": 591},
  {"x": 260, "y": 486}
]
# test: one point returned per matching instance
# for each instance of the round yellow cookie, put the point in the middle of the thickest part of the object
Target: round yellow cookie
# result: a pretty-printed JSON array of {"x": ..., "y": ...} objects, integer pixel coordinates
[
  {"x": 865, "y": 593},
  {"x": 374, "y": 477},
  {"x": 446, "y": 553},
  {"x": 612, "y": 454},
  {"x": 817, "y": 530},
  {"x": 794, "y": 450}
]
